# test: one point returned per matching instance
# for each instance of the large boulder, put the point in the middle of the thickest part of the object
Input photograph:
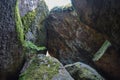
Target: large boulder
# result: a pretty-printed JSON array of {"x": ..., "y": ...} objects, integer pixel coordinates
[
  {"x": 11, "y": 50},
  {"x": 20, "y": 21},
  {"x": 102, "y": 15},
  {"x": 81, "y": 71},
  {"x": 68, "y": 39},
  {"x": 45, "y": 68}
]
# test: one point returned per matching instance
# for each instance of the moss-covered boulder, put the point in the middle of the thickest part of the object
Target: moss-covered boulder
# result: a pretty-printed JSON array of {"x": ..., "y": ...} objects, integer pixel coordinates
[
  {"x": 45, "y": 68},
  {"x": 15, "y": 25},
  {"x": 81, "y": 71}
]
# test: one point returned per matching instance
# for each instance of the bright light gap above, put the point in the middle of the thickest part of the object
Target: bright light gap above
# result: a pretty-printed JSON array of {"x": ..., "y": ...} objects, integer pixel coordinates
[{"x": 57, "y": 3}]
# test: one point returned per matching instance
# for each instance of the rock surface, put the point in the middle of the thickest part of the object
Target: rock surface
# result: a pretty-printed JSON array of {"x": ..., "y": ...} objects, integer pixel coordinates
[
  {"x": 110, "y": 64},
  {"x": 68, "y": 39},
  {"x": 20, "y": 21},
  {"x": 45, "y": 68},
  {"x": 33, "y": 13},
  {"x": 101, "y": 15},
  {"x": 11, "y": 50},
  {"x": 81, "y": 71}
]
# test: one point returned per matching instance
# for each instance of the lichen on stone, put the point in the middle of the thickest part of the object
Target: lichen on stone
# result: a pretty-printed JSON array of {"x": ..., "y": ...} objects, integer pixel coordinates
[
  {"x": 41, "y": 68},
  {"x": 101, "y": 51}
]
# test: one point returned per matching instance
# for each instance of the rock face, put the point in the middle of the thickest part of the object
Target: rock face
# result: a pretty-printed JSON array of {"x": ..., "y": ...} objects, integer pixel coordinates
[
  {"x": 20, "y": 21},
  {"x": 101, "y": 15},
  {"x": 110, "y": 64},
  {"x": 11, "y": 50},
  {"x": 69, "y": 40},
  {"x": 45, "y": 68},
  {"x": 81, "y": 71},
  {"x": 33, "y": 13}
]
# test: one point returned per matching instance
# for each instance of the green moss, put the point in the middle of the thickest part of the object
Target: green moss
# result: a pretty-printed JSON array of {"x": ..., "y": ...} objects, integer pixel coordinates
[
  {"x": 30, "y": 45},
  {"x": 28, "y": 19},
  {"x": 40, "y": 71},
  {"x": 87, "y": 74},
  {"x": 101, "y": 51},
  {"x": 81, "y": 71},
  {"x": 22, "y": 27},
  {"x": 23, "y": 24},
  {"x": 19, "y": 26}
]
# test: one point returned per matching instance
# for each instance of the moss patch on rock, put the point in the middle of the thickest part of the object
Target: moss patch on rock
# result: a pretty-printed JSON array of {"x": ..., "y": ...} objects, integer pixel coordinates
[
  {"x": 28, "y": 19},
  {"x": 22, "y": 26},
  {"x": 31, "y": 46},
  {"x": 102, "y": 50},
  {"x": 19, "y": 26},
  {"x": 41, "y": 68},
  {"x": 81, "y": 71}
]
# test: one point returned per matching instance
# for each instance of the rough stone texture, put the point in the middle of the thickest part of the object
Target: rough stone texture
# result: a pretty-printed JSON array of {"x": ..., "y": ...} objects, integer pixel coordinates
[
  {"x": 12, "y": 32},
  {"x": 35, "y": 30},
  {"x": 81, "y": 71},
  {"x": 110, "y": 64},
  {"x": 69, "y": 40},
  {"x": 45, "y": 68},
  {"x": 27, "y": 5},
  {"x": 11, "y": 51},
  {"x": 102, "y": 15}
]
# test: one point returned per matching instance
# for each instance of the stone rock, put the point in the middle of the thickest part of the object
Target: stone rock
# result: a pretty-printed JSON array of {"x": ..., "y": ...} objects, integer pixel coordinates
[
  {"x": 101, "y": 15},
  {"x": 20, "y": 21},
  {"x": 69, "y": 40},
  {"x": 11, "y": 50},
  {"x": 109, "y": 63},
  {"x": 81, "y": 71},
  {"x": 45, "y": 68},
  {"x": 33, "y": 14}
]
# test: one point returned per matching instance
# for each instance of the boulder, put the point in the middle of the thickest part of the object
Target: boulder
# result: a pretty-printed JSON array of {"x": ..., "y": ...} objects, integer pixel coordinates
[
  {"x": 11, "y": 49},
  {"x": 81, "y": 71},
  {"x": 101, "y": 15},
  {"x": 45, "y": 68},
  {"x": 68, "y": 39},
  {"x": 20, "y": 21}
]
